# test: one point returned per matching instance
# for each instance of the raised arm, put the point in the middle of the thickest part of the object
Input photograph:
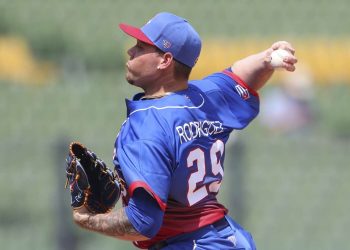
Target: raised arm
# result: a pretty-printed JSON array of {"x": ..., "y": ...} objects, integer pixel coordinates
[{"x": 256, "y": 69}]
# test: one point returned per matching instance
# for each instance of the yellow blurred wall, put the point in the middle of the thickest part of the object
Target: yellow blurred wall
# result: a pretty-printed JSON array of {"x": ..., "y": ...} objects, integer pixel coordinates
[
  {"x": 18, "y": 64},
  {"x": 327, "y": 60}
]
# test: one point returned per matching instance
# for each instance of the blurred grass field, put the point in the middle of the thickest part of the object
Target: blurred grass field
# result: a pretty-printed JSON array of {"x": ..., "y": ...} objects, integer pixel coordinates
[{"x": 295, "y": 188}]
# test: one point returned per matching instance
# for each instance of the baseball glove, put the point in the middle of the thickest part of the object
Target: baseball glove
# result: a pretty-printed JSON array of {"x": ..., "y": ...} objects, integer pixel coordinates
[{"x": 91, "y": 183}]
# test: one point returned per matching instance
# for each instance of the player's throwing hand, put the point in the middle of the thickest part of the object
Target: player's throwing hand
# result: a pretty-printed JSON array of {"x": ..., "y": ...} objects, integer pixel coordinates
[{"x": 281, "y": 55}]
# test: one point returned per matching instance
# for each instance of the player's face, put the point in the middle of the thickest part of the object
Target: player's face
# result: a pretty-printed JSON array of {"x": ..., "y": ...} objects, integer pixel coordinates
[{"x": 142, "y": 64}]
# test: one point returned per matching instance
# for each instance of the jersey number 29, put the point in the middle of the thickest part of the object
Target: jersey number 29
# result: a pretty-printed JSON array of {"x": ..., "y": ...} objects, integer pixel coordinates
[{"x": 197, "y": 156}]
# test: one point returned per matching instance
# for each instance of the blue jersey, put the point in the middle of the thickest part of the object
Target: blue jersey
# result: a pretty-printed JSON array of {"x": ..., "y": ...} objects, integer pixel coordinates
[{"x": 174, "y": 148}]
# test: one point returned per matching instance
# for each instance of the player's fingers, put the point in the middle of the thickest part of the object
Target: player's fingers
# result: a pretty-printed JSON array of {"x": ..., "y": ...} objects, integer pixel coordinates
[
  {"x": 290, "y": 67},
  {"x": 289, "y": 64},
  {"x": 283, "y": 45},
  {"x": 268, "y": 53},
  {"x": 290, "y": 59}
]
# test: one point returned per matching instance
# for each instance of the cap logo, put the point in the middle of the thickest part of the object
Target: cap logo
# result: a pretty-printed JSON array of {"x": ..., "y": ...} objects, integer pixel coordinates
[{"x": 166, "y": 44}]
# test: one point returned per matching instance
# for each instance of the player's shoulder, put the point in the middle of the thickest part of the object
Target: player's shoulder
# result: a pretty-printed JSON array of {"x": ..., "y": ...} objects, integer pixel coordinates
[{"x": 212, "y": 82}]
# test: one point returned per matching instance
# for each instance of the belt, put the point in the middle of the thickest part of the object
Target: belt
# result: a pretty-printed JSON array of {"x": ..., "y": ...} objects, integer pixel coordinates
[{"x": 218, "y": 225}]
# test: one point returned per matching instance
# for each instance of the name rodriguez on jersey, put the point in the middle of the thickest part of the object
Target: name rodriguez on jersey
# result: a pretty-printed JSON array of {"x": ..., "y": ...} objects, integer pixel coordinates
[{"x": 195, "y": 129}]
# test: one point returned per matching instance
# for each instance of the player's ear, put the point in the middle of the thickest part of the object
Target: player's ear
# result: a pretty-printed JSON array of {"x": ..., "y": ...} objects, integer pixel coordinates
[{"x": 167, "y": 60}]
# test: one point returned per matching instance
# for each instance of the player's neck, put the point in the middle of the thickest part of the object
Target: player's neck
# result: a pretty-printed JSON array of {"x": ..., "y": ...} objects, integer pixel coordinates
[{"x": 165, "y": 89}]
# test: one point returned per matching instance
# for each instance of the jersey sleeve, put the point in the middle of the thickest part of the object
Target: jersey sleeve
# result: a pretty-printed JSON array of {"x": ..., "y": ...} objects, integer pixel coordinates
[
  {"x": 242, "y": 101},
  {"x": 146, "y": 164},
  {"x": 144, "y": 213}
]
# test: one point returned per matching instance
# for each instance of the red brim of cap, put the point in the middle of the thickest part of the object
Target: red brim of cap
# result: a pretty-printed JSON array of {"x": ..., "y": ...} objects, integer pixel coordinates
[{"x": 135, "y": 32}]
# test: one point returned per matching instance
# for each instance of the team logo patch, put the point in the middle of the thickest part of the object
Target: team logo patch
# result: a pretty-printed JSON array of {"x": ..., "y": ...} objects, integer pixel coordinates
[
  {"x": 242, "y": 91},
  {"x": 166, "y": 44}
]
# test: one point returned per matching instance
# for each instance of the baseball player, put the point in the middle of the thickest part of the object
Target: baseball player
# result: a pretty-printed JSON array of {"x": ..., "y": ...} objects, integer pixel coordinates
[{"x": 170, "y": 150}]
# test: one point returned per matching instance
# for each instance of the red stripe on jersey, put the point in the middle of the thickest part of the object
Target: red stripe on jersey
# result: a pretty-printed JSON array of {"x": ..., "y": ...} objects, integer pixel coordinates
[
  {"x": 141, "y": 184},
  {"x": 240, "y": 82},
  {"x": 179, "y": 219}
]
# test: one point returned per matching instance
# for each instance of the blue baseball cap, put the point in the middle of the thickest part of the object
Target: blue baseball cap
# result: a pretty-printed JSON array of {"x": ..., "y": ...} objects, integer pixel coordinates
[{"x": 169, "y": 33}]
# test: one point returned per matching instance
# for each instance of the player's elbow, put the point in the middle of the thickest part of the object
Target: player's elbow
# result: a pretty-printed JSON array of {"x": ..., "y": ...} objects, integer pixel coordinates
[
  {"x": 150, "y": 228},
  {"x": 144, "y": 213},
  {"x": 147, "y": 223}
]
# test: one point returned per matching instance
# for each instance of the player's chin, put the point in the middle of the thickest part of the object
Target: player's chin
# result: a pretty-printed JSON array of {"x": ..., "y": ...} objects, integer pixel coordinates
[{"x": 129, "y": 79}]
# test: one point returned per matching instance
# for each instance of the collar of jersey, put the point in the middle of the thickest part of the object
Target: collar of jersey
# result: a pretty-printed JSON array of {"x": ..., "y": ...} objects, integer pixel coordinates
[{"x": 180, "y": 99}]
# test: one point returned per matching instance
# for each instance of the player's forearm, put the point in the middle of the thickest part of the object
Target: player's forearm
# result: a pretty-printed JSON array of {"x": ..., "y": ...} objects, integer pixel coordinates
[
  {"x": 115, "y": 224},
  {"x": 254, "y": 70}
]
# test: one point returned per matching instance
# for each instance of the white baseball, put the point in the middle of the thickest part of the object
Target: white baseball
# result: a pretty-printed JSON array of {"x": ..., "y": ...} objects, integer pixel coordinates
[{"x": 277, "y": 57}]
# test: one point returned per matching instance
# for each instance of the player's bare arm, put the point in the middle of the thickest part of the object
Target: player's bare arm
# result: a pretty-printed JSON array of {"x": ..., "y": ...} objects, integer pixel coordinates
[
  {"x": 256, "y": 69},
  {"x": 115, "y": 224}
]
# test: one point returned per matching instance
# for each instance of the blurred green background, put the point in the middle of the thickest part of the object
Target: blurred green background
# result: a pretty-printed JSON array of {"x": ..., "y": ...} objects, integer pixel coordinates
[{"x": 62, "y": 79}]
